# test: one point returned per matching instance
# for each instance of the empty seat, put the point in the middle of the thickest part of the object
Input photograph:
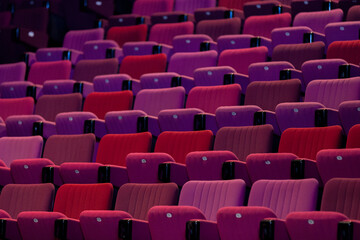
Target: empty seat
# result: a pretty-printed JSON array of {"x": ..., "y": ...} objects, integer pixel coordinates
[
  {"x": 248, "y": 56},
  {"x": 189, "y": 6},
  {"x": 344, "y": 50},
  {"x": 240, "y": 41},
  {"x": 297, "y": 54},
  {"x": 352, "y": 137},
  {"x": 86, "y": 70},
  {"x": 186, "y": 63},
  {"x": 12, "y": 72},
  {"x": 191, "y": 42},
  {"x": 215, "y": 194},
  {"x": 348, "y": 112},
  {"x": 135, "y": 66},
  {"x": 353, "y": 14},
  {"x": 219, "y": 27},
  {"x": 318, "y": 20},
  {"x": 19, "y": 106},
  {"x": 125, "y": 34},
  {"x": 165, "y": 32},
  {"x": 112, "y": 152},
  {"x": 132, "y": 203},
  {"x": 267, "y": 22},
  {"x": 81, "y": 196},
  {"x": 341, "y": 31},
  {"x": 233, "y": 116},
  {"x": 268, "y": 71},
  {"x": 263, "y": 204}
]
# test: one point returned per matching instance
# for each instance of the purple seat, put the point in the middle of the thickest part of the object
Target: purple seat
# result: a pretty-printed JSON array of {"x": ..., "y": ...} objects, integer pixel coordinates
[
  {"x": 157, "y": 80},
  {"x": 248, "y": 56},
  {"x": 12, "y": 72},
  {"x": 205, "y": 99},
  {"x": 235, "y": 221},
  {"x": 322, "y": 69},
  {"x": 123, "y": 121},
  {"x": 21, "y": 125},
  {"x": 189, "y": 6},
  {"x": 318, "y": 20},
  {"x": 186, "y": 63},
  {"x": 337, "y": 163},
  {"x": 114, "y": 83},
  {"x": 139, "y": 48},
  {"x": 96, "y": 49},
  {"x": 297, "y": 54},
  {"x": 211, "y": 76},
  {"x": 132, "y": 204},
  {"x": 220, "y": 12},
  {"x": 202, "y": 207},
  {"x": 138, "y": 165},
  {"x": 233, "y": 116},
  {"x": 341, "y": 31},
  {"x": 219, "y": 27},
  {"x": 263, "y": 25},
  {"x": 339, "y": 203},
  {"x": 207, "y": 165},
  {"x": 74, "y": 42},
  {"x": 269, "y": 71},
  {"x": 299, "y": 6},
  {"x": 255, "y": 8},
  {"x": 191, "y": 42},
  {"x": 349, "y": 114},
  {"x": 321, "y": 95},
  {"x": 239, "y": 41},
  {"x": 165, "y": 32},
  {"x": 269, "y": 166},
  {"x": 72, "y": 122}
]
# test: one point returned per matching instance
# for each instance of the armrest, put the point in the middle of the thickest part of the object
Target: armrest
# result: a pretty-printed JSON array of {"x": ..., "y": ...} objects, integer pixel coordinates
[
  {"x": 51, "y": 174},
  {"x": 305, "y": 168},
  {"x": 85, "y": 88},
  {"x": 241, "y": 79},
  {"x": 235, "y": 169},
  {"x": 134, "y": 229},
  {"x": 96, "y": 126},
  {"x": 5, "y": 176},
  {"x": 349, "y": 229},
  {"x": 267, "y": 117},
  {"x": 173, "y": 172},
  {"x": 68, "y": 229},
  {"x": 187, "y": 82},
  {"x": 9, "y": 229},
  {"x": 166, "y": 49},
  {"x": 72, "y": 55},
  {"x": 30, "y": 58},
  {"x": 197, "y": 229},
  {"x": 205, "y": 121},
  {"x": 266, "y": 42},
  {"x": 319, "y": 37},
  {"x": 103, "y": 23},
  {"x": 153, "y": 125},
  {"x": 349, "y": 70},
  {"x": 115, "y": 52},
  {"x": 326, "y": 117},
  {"x": 49, "y": 129},
  {"x": 272, "y": 228},
  {"x": 132, "y": 85}
]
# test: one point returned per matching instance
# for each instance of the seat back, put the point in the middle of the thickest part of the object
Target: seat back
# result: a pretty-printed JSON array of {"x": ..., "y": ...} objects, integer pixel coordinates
[
  {"x": 136, "y": 66},
  {"x": 219, "y": 27},
  {"x": 344, "y": 50},
  {"x": 114, "y": 148},
  {"x": 42, "y": 71},
  {"x": 147, "y": 8},
  {"x": 16, "y": 106},
  {"x": 342, "y": 31},
  {"x": 263, "y": 25},
  {"x": 189, "y": 42},
  {"x": 69, "y": 148},
  {"x": 48, "y": 106},
  {"x": 72, "y": 199},
  {"x": 210, "y": 98},
  {"x": 189, "y": 6},
  {"x": 87, "y": 70},
  {"x": 20, "y": 148},
  {"x": 353, "y": 136},
  {"x": 297, "y": 54},
  {"x": 211, "y": 76},
  {"x": 100, "y": 103},
  {"x": 240, "y": 59},
  {"x": 285, "y": 196},
  {"x": 165, "y": 32},
  {"x": 72, "y": 122},
  {"x": 137, "y": 199},
  {"x": 33, "y": 18},
  {"x": 125, "y": 34},
  {"x": 307, "y": 142},
  {"x": 152, "y": 101},
  {"x": 16, "y": 198},
  {"x": 331, "y": 93},
  {"x": 342, "y": 195},
  {"x": 76, "y": 39},
  {"x": 179, "y": 144},
  {"x": 210, "y": 196},
  {"x": 318, "y": 20},
  {"x": 267, "y": 71},
  {"x": 186, "y": 63},
  {"x": 245, "y": 140},
  {"x": 12, "y": 72},
  {"x": 266, "y": 94}
]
